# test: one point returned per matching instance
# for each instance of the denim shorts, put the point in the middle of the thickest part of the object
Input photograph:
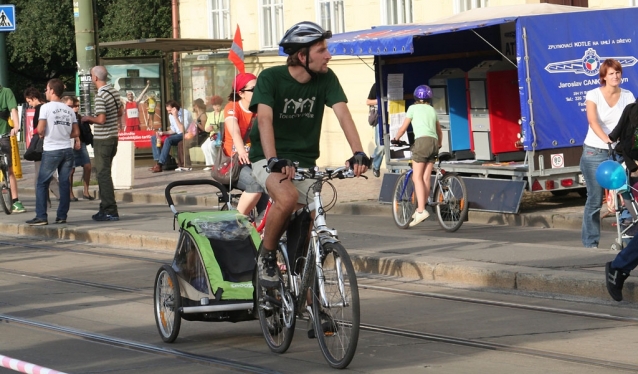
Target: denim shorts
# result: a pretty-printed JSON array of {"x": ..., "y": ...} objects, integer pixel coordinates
[
  {"x": 81, "y": 156},
  {"x": 247, "y": 181},
  {"x": 5, "y": 147}
]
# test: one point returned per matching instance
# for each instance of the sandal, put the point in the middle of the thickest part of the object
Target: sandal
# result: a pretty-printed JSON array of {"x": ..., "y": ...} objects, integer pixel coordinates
[
  {"x": 87, "y": 197},
  {"x": 74, "y": 199}
]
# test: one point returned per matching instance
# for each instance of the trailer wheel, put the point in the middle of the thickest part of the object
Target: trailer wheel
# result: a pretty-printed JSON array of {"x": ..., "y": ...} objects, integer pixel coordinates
[{"x": 168, "y": 302}]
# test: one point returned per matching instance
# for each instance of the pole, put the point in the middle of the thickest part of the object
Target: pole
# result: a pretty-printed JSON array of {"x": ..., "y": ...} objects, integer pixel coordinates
[
  {"x": 4, "y": 75},
  {"x": 85, "y": 49}
]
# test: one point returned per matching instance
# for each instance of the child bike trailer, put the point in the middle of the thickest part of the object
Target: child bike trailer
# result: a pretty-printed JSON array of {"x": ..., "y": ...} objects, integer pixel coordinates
[{"x": 211, "y": 276}]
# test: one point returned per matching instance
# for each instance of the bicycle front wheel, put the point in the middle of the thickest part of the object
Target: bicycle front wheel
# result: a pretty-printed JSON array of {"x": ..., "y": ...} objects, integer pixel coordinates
[
  {"x": 5, "y": 189},
  {"x": 451, "y": 202},
  {"x": 403, "y": 201},
  {"x": 276, "y": 308},
  {"x": 336, "y": 318}
]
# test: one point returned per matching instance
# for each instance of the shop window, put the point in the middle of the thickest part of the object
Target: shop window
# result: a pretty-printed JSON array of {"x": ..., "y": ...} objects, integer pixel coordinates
[
  {"x": 463, "y": 5},
  {"x": 219, "y": 19},
  {"x": 394, "y": 12},
  {"x": 272, "y": 23},
  {"x": 330, "y": 13}
]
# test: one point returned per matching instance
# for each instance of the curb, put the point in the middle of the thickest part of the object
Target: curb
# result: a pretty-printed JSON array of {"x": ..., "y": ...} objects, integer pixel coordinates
[{"x": 576, "y": 283}]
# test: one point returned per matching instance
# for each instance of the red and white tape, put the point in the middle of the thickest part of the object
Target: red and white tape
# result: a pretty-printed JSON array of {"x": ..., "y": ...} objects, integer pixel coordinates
[{"x": 25, "y": 367}]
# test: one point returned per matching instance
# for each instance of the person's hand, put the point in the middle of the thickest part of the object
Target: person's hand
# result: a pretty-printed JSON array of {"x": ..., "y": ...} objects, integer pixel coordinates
[
  {"x": 282, "y": 166},
  {"x": 359, "y": 163},
  {"x": 77, "y": 145},
  {"x": 242, "y": 155},
  {"x": 85, "y": 119},
  {"x": 160, "y": 133},
  {"x": 13, "y": 132},
  {"x": 174, "y": 112}
]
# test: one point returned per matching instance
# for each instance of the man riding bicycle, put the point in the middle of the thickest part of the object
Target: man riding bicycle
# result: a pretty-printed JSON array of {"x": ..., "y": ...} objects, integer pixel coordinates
[{"x": 289, "y": 104}]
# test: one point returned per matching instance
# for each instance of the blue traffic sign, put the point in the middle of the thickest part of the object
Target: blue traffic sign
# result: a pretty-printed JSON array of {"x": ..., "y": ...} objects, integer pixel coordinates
[{"x": 7, "y": 18}]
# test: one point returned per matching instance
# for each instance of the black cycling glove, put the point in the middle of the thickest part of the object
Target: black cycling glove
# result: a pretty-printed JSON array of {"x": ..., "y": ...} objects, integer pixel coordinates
[
  {"x": 360, "y": 158},
  {"x": 276, "y": 165}
]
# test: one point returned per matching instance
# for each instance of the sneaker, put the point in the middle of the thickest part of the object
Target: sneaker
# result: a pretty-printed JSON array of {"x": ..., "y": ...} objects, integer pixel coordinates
[
  {"x": 267, "y": 263},
  {"x": 37, "y": 222},
  {"x": 376, "y": 172},
  {"x": 327, "y": 325},
  {"x": 183, "y": 169},
  {"x": 17, "y": 207},
  {"x": 179, "y": 168},
  {"x": 615, "y": 279},
  {"x": 207, "y": 168},
  {"x": 60, "y": 220},
  {"x": 103, "y": 216},
  {"x": 419, "y": 217}
]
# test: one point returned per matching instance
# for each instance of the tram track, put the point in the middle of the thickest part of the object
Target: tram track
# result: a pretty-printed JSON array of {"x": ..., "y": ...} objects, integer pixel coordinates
[
  {"x": 474, "y": 343},
  {"x": 500, "y": 347},
  {"x": 137, "y": 346}
]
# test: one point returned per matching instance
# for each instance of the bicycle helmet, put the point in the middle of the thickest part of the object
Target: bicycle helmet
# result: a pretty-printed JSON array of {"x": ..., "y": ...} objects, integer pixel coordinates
[
  {"x": 422, "y": 92},
  {"x": 303, "y": 34}
]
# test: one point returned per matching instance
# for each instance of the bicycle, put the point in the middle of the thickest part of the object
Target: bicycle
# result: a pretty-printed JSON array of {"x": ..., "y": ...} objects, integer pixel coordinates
[
  {"x": 5, "y": 182},
  {"x": 448, "y": 197},
  {"x": 325, "y": 277}
]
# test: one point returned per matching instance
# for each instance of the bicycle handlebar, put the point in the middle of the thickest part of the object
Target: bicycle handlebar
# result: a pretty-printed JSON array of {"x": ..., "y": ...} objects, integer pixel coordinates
[{"x": 341, "y": 172}]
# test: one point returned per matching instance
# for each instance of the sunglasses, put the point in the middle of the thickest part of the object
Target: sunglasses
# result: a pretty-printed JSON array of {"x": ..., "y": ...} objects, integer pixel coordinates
[{"x": 252, "y": 89}]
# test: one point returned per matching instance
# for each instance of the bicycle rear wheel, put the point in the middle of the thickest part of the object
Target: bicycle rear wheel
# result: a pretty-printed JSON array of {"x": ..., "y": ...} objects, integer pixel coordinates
[
  {"x": 276, "y": 308},
  {"x": 403, "y": 201},
  {"x": 451, "y": 202},
  {"x": 5, "y": 190},
  {"x": 336, "y": 323}
]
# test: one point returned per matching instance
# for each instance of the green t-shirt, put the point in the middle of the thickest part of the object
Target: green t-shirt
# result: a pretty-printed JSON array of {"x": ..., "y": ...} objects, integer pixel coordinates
[
  {"x": 423, "y": 118},
  {"x": 297, "y": 112},
  {"x": 7, "y": 102}
]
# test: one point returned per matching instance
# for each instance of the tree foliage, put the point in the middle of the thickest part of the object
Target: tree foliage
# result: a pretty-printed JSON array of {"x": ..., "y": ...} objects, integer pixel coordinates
[{"x": 43, "y": 45}]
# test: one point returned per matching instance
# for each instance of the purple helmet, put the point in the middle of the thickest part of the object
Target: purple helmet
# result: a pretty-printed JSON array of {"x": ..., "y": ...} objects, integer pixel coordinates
[{"x": 422, "y": 92}]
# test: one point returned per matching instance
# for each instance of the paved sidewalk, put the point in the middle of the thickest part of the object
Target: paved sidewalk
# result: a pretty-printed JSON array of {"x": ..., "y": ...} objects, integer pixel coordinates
[{"x": 563, "y": 269}]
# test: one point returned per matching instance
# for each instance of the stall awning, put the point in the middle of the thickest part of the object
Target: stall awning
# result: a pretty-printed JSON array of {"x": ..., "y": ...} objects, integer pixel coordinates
[
  {"x": 398, "y": 39},
  {"x": 171, "y": 45}
]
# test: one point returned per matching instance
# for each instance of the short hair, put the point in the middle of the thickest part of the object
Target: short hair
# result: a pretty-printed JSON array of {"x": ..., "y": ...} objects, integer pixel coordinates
[
  {"x": 173, "y": 104},
  {"x": 56, "y": 86},
  {"x": 216, "y": 100},
  {"x": 33, "y": 93},
  {"x": 100, "y": 72},
  {"x": 199, "y": 103},
  {"x": 293, "y": 59},
  {"x": 66, "y": 98},
  {"x": 604, "y": 66}
]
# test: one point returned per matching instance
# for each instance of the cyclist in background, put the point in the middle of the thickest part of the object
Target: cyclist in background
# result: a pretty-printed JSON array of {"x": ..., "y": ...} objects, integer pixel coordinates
[
  {"x": 289, "y": 102},
  {"x": 427, "y": 142},
  {"x": 9, "y": 110}
]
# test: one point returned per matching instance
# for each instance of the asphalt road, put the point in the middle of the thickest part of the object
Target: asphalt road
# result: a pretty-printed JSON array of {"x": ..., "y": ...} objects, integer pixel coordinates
[{"x": 82, "y": 308}]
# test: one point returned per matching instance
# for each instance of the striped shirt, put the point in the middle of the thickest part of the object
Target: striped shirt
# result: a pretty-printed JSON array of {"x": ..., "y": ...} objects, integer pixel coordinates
[{"x": 107, "y": 101}]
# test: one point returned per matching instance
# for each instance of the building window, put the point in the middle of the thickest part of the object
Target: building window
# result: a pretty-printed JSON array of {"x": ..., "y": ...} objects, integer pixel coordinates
[
  {"x": 396, "y": 12},
  {"x": 272, "y": 23},
  {"x": 330, "y": 13},
  {"x": 463, "y": 5},
  {"x": 219, "y": 19}
]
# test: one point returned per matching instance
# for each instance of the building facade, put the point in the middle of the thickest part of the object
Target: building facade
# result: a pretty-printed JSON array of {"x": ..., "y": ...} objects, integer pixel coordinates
[{"x": 263, "y": 22}]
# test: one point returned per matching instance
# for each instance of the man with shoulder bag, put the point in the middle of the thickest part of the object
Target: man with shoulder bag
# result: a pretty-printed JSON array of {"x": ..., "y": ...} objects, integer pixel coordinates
[{"x": 108, "y": 111}]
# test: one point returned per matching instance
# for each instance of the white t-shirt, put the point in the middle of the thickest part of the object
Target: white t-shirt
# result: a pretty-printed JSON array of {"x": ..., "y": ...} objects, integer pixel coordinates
[
  {"x": 60, "y": 119},
  {"x": 607, "y": 116}
]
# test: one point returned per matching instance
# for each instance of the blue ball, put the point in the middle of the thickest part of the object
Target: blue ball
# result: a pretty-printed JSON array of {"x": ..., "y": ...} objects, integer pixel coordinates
[{"x": 611, "y": 175}]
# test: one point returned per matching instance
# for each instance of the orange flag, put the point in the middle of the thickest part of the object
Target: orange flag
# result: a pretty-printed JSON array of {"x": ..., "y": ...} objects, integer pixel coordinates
[{"x": 236, "y": 54}]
